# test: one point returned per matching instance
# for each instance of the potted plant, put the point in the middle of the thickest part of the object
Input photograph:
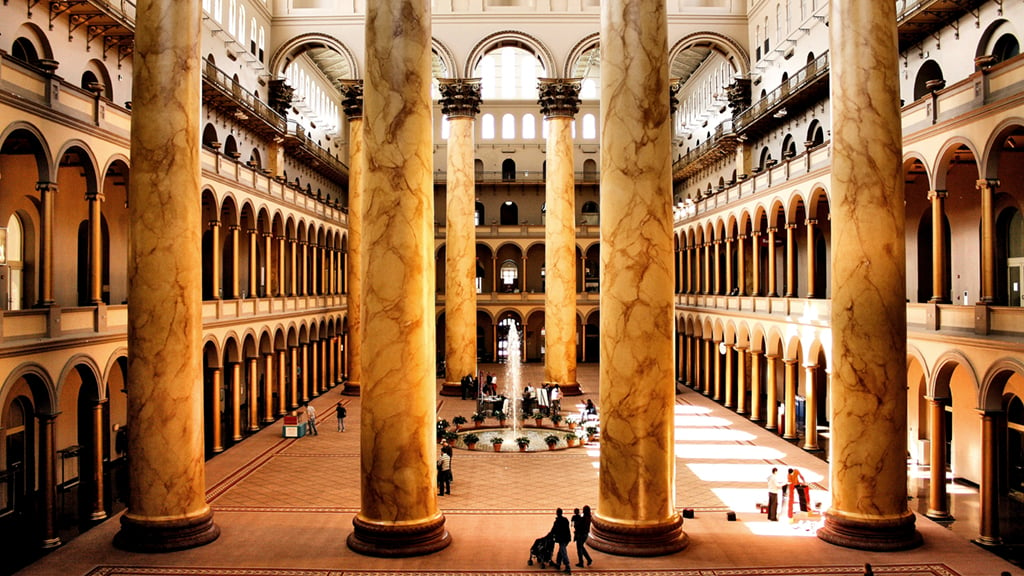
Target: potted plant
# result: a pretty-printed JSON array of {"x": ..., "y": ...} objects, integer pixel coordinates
[
  {"x": 591, "y": 433},
  {"x": 458, "y": 421},
  {"x": 501, "y": 416},
  {"x": 523, "y": 442},
  {"x": 551, "y": 441},
  {"x": 471, "y": 440},
  {"x": 451, "y": 437},
  {"x": 478, "y": 419},
  {"x": 538, "y": 417},
  {"x": 496, "y": 442},
  {"x": 571, "y": 422},
  {"x": 570, "y": 439},
  {"x": 556, "y": 418}
]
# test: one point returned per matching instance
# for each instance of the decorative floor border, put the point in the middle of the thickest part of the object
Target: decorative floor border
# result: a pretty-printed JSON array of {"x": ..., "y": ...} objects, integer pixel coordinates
[{"x": 844, "y": 570}]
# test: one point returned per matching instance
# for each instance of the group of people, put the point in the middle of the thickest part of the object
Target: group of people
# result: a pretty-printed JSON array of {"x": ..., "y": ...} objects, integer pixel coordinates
[
  {"x": 444, "y": 469},
  {"x": 470, "y": 385},
  {"x": 563, "y": 533},
  {"x": 340, "y": 413},
  {"x": 794, "y": 484},
  {"x": 547, "y": 399}
]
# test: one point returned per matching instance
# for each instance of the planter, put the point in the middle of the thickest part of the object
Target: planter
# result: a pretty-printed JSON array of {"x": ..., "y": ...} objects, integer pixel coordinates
[
  {"x": 497, "y": 447},
  {"x": 570, "y": 443},
  {"x": 538, "y": 421},
  {"x": 471, "y": 445},
  {"x": 522, "y": 448},
  {"x": 552, "y": 446}
]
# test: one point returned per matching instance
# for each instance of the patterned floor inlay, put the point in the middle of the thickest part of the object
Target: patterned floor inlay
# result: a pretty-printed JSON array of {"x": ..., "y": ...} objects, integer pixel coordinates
[{"x": 896, "y": 569}]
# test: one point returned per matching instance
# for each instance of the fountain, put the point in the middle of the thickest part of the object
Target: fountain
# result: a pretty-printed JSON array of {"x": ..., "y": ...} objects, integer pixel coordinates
[{"x": 511, "y": 390}]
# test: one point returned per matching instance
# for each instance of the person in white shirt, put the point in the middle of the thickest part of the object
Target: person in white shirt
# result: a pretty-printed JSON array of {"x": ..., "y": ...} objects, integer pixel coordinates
[{"x": 774, "y": 490}]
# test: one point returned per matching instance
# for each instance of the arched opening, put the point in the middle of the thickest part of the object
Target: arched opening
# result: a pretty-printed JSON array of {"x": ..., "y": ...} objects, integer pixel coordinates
[
  {"x": 13, "y": 256},
  {"x": 23, "y": 49},
  {"x": 589, "y": 170},
  {"x": 509, "y": 213},
  {"x": 509, "y": 275},
  {"x": 1009, "y": 266},
  {"x": 508, "y": 322},
  {"x": 479, "y": 214},
  {"x": 508, "y": 170},
  {"x": 1006, "y": 47},
  {"x": 929, "y": 76}
]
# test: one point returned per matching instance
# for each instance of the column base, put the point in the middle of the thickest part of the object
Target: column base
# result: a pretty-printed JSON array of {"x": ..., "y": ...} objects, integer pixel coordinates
[
  {"x": 98, "y": 516},
  {"x": 166, "y": 536},
  {"x": 351, "y": 388},
  {"x": 881, "y": 536},
  {"x": 451, "y": 389},
  {"x": 50, "y": 543},
  {"x": 629, "y": 540},
  {"x": 939, "y": 516},
  {"x": 391, "y": 541},
  {"x": 988, "y": 541}
]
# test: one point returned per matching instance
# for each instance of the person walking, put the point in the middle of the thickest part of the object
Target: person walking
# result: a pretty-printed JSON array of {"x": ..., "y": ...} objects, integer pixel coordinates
[
  {"x": 562, "y": 535},
  {"x": 342, "y": 412},
  {"x": 580, "y": 533},
  {"x": 797, "y": 488},
  {"x": 774, "y": 490},
  {"x": 444, "y": 471},
  {"x": 311, "y": 419}
]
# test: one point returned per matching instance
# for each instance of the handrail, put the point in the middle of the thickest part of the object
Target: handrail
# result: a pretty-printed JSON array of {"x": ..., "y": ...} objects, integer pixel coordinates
[
  {"x": 249, "y": 100},
  {"x": 802, "y": 78},
  {"x": 519, "y": 176}
]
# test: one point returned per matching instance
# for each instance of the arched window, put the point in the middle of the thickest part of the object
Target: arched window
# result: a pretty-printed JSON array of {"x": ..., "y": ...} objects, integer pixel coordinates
[
  {"x": 589, "y": 127},
  {"x": 509, "y": 213},
  {"x": 241, "y": 25},
  {"x": 529, "y": 126},
  {"x": 508, "y": 170},
  {"x": 1006, "y": 47},
  {"x": 588, "y": 89},
  {"x": 508, "y": 127},
  {"x": 487, "y": 127},
  {"x": 589, "y": 170},
  {"x": 23, "y": 49},
  {"x": 928, "y": 76},
  {"x": 231, "y": 17},
  {"x": 253, "y": 35},
  {"x": 262, "y": 43},
  {"x": 509, "y": 276},
  {"x": 478, "y": 214},
  {"x": 218, "y": 11},
  {"x": 509, "y": 73},
  {"x": 14, "y": 256}
]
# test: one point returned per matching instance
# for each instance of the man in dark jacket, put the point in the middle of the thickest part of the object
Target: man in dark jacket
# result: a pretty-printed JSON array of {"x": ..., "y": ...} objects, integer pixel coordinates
[{"x": 562, "y": 535}]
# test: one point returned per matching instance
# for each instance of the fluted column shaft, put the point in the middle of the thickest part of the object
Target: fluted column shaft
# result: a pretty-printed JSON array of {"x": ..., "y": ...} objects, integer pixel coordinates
[
  {"x": 167, "y": 509},
  {"x": 47, "y": 191},
  {"x": 399, "y": 514},
  {"x": 636, "y": 513},
  {"x": 253, "y": 382},
  {"x": 460, "y": 102},
  {"x": 938, "y": 506},
  {"x": 48, "y": 479},
  {"x": 772, "y": 394},
  {"x": 989, "y": 533},
  {"x": 812, "y": 271},
  {"x": 789, "y": 430},
  {"x": 810, "y": 408},
  {"x": 352, "y": 103},
  {"x": 99, "y": 511},
  {"x": 939, "y": 289},
  {"x": 988, "y": 241},
  {"x": 216, "y": 410},
  {"x": 95, "y": 200},
  {"x": 869, "y": 325},
  {"x": 559, "y": 99}
]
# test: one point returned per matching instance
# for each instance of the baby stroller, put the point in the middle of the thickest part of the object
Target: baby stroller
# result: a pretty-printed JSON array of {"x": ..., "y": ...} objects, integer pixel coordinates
[{"x": 542, "y": 550}]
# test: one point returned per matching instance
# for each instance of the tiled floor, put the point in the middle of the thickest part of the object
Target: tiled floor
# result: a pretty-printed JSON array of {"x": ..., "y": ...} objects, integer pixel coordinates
[{"x": 285, "y": 507}]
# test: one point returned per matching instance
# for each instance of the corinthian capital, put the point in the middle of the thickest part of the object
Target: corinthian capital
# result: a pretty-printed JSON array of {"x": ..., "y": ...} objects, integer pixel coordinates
[
  {"x": 460, "y": 96},
  {"x": 559, "y": 97}
]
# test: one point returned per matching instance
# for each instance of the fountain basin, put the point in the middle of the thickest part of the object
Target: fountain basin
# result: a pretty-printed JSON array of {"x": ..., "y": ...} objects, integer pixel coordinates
[{"x": 537, "y": 438}]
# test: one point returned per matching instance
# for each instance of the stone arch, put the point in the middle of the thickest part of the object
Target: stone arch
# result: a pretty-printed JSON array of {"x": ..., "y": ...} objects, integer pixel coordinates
[
  {"x": 995, "y": 380},
  {"x": 298, "y": 44},
  {"x": 510, "y": 37},
  {"x": 938, "y": 386},
  {"x": 732, "y": 50},
  {"x": 946, "y": 154}
]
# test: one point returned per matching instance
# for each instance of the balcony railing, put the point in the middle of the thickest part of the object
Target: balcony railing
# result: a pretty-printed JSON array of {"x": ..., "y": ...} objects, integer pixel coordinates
[
  {"x": 231, "y": 93},
  {"x": 777, "y": 99},
  {"x": 299, "y": 144},
  {"x": 519, "y": 177},
  {"x": 721, "y": 144}
]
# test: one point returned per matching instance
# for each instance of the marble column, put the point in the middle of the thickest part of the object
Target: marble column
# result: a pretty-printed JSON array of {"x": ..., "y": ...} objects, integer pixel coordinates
[
  {"x": 755, "y": 260},
  {"x": 986, "y": 187},
  {"x": 727, "y": 376},
  {"x": 47, "y": 192},
  {"x": 791, "y": 261},
  {"x": 559, "y": 102},
  {"x": 810, "y": 408},
  {"x": 716, "y": 265},
  {"x": 282, "y": 382},
  {"x": 268, "y": 387},
  {"x": 729, "y": 278},
  {"x": 253, "y": 266},
  {"x": 812, "y": 271},
  {"x": 708, "y": 277},
  {"x": 305, "y": 376},
  {"x": 216, "y": 410},
  {"x": 281, "y": 253},
  {"x": 460, "y": 102},
  {"x": 99, "y": 511},
  {"x": 293, "y": 368},
  {"x": 741, "y": 266},
  {"x": 789, "y": 401},
  {"x": 398, "y": 514},
  {"x": 233, "y": 290},
  {"x": 636, "y": 513},
  {"x": 940, "y": 292},
  {"x": 938, "y": 504},
  {"x": 352, "y": 103},
  {"x": 95, "y": 200},
  {"x": 709, "y": 364},
  {"x": 215, "y": 260},
  {"x": 293, "y": 277},
  {"x": 167, "y": 509},
  {"x": 988, "y": 492},
  {"x": 756, "y": 409},
  {"x": 741, "y": 379},
  {"x": 869, "y": 325},
  {"x": 771, "y": 394},
  {"x": 771, "y": 263},
  {"x": 716, "y": 375},
  {"x": 48, "y": 480},
  {"x": 235, "y": 389},
  {"x": 253, "y": 381}
]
